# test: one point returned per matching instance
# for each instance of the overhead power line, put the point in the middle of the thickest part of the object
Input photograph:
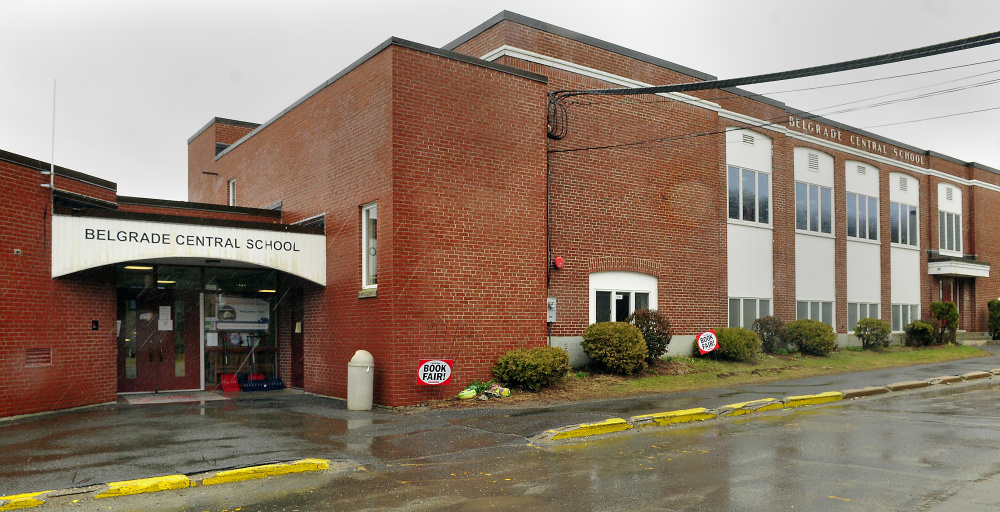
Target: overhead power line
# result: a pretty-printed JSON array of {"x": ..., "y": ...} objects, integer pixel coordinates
[{"x": 916, "y": 53}]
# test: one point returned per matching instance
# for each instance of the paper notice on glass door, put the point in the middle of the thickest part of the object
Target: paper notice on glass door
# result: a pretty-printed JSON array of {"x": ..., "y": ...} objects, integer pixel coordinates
[{"x": 211, "y": 339}]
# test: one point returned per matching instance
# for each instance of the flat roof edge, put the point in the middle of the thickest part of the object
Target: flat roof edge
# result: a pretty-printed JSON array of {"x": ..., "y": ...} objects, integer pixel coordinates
[
  {"x": 392, "y": 41},
  {"x": 222, "y": 120},
  {"x": 575, "y": 36},
  {"x": 187, "y": 205},
  {"x": 41, "y": 166}
]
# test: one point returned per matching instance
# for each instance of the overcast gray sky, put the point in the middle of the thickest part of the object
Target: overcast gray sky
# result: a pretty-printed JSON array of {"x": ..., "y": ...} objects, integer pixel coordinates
[{"x": 136, "y": 79}]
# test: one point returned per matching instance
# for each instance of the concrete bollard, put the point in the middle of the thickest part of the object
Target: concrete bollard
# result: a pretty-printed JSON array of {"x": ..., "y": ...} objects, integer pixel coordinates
[{"x": 360, "y": 381}]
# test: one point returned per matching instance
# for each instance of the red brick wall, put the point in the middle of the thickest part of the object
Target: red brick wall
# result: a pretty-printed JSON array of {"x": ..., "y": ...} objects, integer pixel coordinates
[{"x": 39, "y": 312}]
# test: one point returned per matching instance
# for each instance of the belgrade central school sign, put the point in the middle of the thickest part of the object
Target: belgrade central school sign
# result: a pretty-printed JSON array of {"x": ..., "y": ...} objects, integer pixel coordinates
[
  {"x": 80, "y": 243},
  {"x": 191, "y": 240}
]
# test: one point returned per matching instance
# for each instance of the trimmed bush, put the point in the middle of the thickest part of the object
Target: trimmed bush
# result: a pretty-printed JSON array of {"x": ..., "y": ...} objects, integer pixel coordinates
[
  {"x": 616, "y": 346},
  {"x": 994, "y": 323},
  {"x": 920, "y": 333},
  {"x": 532, "y": 368},
  {"x": 873, "y": 333},
  {"x": 655, "y": 329},
  {"x": 770, "y": 330},
  {"x": 811, "y": 336},
  {"x": 946, "y": 314},
  {"x": 737, "y": 343}
]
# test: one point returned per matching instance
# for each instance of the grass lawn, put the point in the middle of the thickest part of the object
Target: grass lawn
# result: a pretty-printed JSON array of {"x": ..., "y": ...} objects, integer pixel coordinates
[{"x": 689, "y": 374}]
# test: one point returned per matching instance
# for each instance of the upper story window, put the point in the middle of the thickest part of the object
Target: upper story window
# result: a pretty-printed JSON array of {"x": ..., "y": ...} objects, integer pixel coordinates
[
  {"x": 369, "y": 245},
  {"x": 232, "y": 192},
  {"x": 903, "y": 228},
  {"x": 813, "y": 208},
  {"x": 862, "y": 216},
  {"x": 813, "y": 191},
  {"x": 949, "y": 218},
  {"x": 749, "y": 195}
]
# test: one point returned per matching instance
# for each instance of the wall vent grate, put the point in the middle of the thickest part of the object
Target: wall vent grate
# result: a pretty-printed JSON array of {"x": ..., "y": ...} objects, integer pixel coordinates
[
  {"x": 903, "y": 184},
  {"x": 813, "y": 162},
  {"x": 949, "y": 194},
  {"x": 862, "y": 170},
  {"x": 748, "y": 139},
  {"x": 38, "y": 357}
]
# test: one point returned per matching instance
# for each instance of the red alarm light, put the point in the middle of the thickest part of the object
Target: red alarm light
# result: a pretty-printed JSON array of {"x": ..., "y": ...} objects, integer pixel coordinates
[{"x": 558, "y": 262}]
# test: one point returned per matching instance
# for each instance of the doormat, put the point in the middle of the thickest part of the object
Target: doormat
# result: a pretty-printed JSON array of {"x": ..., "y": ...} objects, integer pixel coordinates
[{"x": 171, "y": 398}]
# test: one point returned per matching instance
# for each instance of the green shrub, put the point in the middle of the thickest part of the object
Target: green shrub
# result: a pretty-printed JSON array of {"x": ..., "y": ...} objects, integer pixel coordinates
[
  {"x": 532, "y": 368},
  {"x": 946, "y": 314},
  {"x": 811, "y": 337},
  {"x": 735, "y": 343},
  {"x": 770, "y": 330},
  {"x": 920, "y": 333},
  {"x": 616, "y": 346},
  {"x": 873, "y": 333},
  {"x": 994, "y": 323},
  {"x": 655, "y": 329}
]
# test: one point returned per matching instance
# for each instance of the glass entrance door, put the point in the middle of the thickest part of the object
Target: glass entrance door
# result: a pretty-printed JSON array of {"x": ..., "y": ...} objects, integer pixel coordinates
[{"x": 158, "y": 341}]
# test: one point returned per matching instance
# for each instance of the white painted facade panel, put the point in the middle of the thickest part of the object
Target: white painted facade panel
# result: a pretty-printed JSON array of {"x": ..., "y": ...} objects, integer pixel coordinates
[
  {"x": 905, "y": 283},
  {"x": 814, "y": 268},
  {"x": 952, "y": 204},
  {"x": 905, "y": 193},
  {"x": 861, "y": 178},
  {"x": 864, "y": 272},
  {"x": 79, "y": 243},
  {"x": 751, "y": 266},
  {"x": 821, "y": 173},
  {"x": 755, "y": 155}
]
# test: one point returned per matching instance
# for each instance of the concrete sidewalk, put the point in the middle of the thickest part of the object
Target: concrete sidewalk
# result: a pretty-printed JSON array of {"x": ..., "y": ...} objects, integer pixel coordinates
[{"x": 122, "y": 441}]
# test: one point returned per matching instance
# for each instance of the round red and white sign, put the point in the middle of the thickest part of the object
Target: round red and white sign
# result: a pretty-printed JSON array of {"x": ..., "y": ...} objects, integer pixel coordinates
[
  {"x": 433, "y": 372},
  {"x": 707, "y": 342}
]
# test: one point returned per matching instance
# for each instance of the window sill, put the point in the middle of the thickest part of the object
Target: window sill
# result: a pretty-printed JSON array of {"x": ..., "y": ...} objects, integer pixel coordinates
[
  {"x": 367, "y": 293},
  {"x": 815, "y": 233},
  {"x": 760, "y": 225},
  {"x": 946, "y": 252},
  {"x": 864, "y": 240},
  {"x": 896, "y": 245}
]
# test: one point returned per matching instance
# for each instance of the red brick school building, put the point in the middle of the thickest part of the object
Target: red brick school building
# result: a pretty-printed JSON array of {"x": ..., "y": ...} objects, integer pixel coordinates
[{"x": 413, "y": 205}]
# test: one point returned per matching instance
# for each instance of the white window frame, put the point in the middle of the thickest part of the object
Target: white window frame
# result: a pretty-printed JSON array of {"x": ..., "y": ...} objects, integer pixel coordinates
[
  {"x": 232, "y": 192},
  {"x": 369, "y": 276},
  {"x": 948, "y": 221},
  {"x": 740, "y": 303},
  {"x": 819, "y": 214},
  {"x": 896, "y": 224},
  {"x": 814, "y": 311},
  {"x": 613, "y": 317},
  {"x": 621, "y": 282},
  {"x": 854, "y": 314},
  {"x": 756, "y": 221},
  {"x": 903, "y": 315},
  {"x": 867, "y": 200}
]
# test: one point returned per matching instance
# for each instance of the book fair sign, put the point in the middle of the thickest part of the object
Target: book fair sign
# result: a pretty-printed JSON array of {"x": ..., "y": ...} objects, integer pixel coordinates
[
  {"x": 707, "y": 342},
  {"x": 434, "y": 372}
]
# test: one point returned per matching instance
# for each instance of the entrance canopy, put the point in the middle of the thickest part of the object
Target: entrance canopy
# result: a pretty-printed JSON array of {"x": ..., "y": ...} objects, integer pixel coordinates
[{"x": 82, "y": 242}]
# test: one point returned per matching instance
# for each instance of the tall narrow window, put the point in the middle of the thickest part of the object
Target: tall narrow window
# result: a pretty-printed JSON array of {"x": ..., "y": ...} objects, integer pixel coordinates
[
  {"x": 232, "y": 192},
  {"x": 904, "y": 224},
  {"x": 749, "y": 193},
  {"x": 862, "y": 216},
  {"x": 369, "y": 245},
  {"x": 813, "y": 208},
  {"x": 950, "y": 231}
]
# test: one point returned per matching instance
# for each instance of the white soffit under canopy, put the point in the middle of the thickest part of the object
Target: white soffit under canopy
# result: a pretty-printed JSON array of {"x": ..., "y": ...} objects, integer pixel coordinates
[{"x": 79, "y": 243}]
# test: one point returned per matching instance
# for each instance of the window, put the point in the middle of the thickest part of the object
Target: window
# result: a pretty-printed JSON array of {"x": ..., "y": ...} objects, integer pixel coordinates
[
  {"x": 862, "y": 216},
  {"x": 369, "y": 245},
  {"x": 903, "y": 228},
  {"x": 749, "y": 195},
  {"x": 617, "y": 305},
  {"x": 232, "y": 192},
  {"x": 950, "y": 231},
  {"x": 903, "y": 315},
  {"x": 815, "y": 310},
  {"x": 742, "y": 312},
  {"x": 813, "y": 208},
  {"x": 858, "y": 310}
]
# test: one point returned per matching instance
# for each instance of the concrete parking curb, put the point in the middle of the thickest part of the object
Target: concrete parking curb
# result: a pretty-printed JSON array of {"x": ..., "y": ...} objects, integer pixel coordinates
[
  {"x": 612, "y": 425},
  {"x": 174, "y": 482}
]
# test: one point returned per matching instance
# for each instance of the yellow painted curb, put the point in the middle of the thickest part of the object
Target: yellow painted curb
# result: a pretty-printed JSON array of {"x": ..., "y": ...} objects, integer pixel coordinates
[
  {"x": 157, "y": 483},
  {"x": 592, "y": 429},
  {"x": 672, "y": 417},
  {"x": 798, "y": 401},
  {"x": 16, "y": 501},
  {"x": 764, "y": 404},
  {"x": 255, "y": 472}
]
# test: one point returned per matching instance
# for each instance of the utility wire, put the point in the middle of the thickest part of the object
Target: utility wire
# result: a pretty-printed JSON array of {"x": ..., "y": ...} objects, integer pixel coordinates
[
  {"x": 916, "y": 53},
  {"x": 935, "y": 117}
]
